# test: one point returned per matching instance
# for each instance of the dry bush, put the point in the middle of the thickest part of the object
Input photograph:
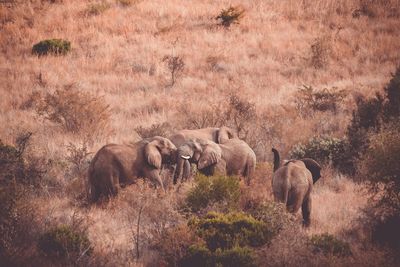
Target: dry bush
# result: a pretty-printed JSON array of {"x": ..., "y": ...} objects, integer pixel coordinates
[
  {"x": 96, "y": 9},
  {"x": 231, "y": 15},
  {"x": 319, "y": 52},
  {"x": 18, "y": 225},
  {"x": 308, "y": 100},
  {"x": 77, "y": 112},
  {"x": 175, "y": 66},
  {"x": 160, "y": 129}
]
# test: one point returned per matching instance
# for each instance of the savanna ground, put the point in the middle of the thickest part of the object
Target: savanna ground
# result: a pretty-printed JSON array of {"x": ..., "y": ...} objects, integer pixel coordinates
[{"x": 116, "y": 86}]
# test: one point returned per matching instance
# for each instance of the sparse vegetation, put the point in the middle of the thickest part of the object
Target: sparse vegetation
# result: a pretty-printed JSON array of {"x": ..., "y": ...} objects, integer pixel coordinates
[
  {"x": 231, "y": 15},
  {"x": 175, "y": 65},
  {"x": 308, "y": 100},
  {"x": 95, "y": 9},
  {"x": 52, "y": 46},
  {"x": 328, "y": 244},
  {"x": 75, "y": 111}
]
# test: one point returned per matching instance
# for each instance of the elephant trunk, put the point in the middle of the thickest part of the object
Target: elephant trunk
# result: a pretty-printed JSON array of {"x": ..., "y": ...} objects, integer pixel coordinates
[{"x": 277, "y": 159}]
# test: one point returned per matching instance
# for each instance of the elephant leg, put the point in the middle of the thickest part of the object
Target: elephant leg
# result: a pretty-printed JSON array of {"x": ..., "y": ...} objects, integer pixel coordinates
[
  {"x": 154, "y": 175},
  {"x": 179, "y": 169},
  {"x": 294, "y": 202},
  {"x": 186, "y": 170},
  {"x": 306, "y": 211}
]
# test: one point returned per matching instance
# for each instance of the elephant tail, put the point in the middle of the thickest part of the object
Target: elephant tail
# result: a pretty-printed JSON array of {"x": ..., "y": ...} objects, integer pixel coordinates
[
  {"x": 92, "y": 193},
  {"x": 277, "y": 159}
]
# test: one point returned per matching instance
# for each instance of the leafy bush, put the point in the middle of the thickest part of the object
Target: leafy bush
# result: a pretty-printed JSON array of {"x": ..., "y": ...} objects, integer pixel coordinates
[
  {"x": 274, "y": 215},
  {"x": 64, "y": 241},
  {"x": 175, "y": 65},
  {"x": 328, "y": 244},
  {"x": 213, "y": 190},
  {"x": 75, "y": 111},
  {"x": 198, "y": 256},
  {"x": 226, "y": 231},
  {"x": 309, "y": 100},
  {"x": 231, "y": 15},
  {"x": 53, "y": 46},
  {"x": 325, "y": 150},
  {"x": 235, "y": 257}
]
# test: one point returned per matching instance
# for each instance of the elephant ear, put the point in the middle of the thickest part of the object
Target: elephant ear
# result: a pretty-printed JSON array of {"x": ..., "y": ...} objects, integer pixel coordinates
[
  {"x": 313, "y": 167},
  {"x": 225, "y": 133},
  {"x": 211, "y": 155},
  {"x": 152, "y": 154}
]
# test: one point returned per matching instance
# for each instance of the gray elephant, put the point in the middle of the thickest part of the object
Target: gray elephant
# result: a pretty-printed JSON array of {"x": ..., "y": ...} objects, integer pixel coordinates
[
  {"x": 292, "y": 184},
  {"x": 233, "y": 157},
  {"x": 217, "y": 135},
  {"x": 120, "y": 165}
]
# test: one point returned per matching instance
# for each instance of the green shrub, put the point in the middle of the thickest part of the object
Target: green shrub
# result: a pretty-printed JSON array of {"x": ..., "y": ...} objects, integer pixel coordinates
[
  {"x": 274, "y": 215},
  {"x": 231, "y": 15},
  {"x": 213, "y": 190},
  {"x": 226, "y": 231},
  {"x": 328, "y": 244},
  {"x": 235, "y": 257},
  {"x": 325, "y": 150},
  {"x": 198, "y": 256},
  {"x": 63, "y": 241},
  {"x": 201, "y": 256},
  {"x": 52, "y": 46}
]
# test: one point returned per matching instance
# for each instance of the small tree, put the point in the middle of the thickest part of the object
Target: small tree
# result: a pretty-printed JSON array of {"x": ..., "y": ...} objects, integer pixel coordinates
[{"x": 175, "y": 66}]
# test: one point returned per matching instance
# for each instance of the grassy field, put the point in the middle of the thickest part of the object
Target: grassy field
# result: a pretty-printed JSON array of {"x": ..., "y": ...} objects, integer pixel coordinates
[{"x": 118, "y": 70}]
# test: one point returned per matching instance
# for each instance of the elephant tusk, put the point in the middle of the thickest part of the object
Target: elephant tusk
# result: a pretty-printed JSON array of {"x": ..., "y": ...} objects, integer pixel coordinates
[{"x": 185, "y": 157}]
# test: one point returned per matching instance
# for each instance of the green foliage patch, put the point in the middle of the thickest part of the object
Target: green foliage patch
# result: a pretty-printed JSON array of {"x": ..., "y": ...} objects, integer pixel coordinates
[
  {"x": 226, "y": 231},
  {"x": 52, "y": 46},
  {"x": 213, "y": 190}
]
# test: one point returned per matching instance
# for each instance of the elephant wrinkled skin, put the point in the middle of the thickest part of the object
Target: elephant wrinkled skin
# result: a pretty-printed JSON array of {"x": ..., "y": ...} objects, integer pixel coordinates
[
  {"x": 119, "y": 165},
  {"x": 217, "y": 135},
  {"x": 292, "y": 184},
  {"x": 233, "y": 157}
]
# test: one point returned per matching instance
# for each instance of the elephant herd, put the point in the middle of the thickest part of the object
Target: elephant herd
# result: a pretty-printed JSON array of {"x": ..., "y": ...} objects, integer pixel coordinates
[{"x": 213, "y": 151}]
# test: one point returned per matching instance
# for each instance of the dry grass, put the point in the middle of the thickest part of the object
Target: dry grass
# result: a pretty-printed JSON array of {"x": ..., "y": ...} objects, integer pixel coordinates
[{"x": 117, "y": 54}]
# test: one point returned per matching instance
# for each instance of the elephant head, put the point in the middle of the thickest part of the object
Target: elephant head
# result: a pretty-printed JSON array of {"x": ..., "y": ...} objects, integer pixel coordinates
[
  {"x": 313, "y": 167},
  {"x": 159, "y": 150},
  {"x": 225, "y": 133},
  {"x": 203, "y": 152}
]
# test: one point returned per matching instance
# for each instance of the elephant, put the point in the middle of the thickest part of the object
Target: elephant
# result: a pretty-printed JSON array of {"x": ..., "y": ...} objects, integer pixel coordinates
[
  {"x": 217, "y": 135},
  {"x": 292, "y": 184},
  {"x": 120, "y": 165},
  {"x": 233, "y": 157}
]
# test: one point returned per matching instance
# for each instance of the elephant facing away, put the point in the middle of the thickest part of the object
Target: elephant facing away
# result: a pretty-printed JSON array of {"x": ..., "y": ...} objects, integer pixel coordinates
[
  {"x": 233, "y": 157},
  {"x": 217, "y": 135},
  {"x": 292, "y": 184},
  {"x": 120, "y": 165}
]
